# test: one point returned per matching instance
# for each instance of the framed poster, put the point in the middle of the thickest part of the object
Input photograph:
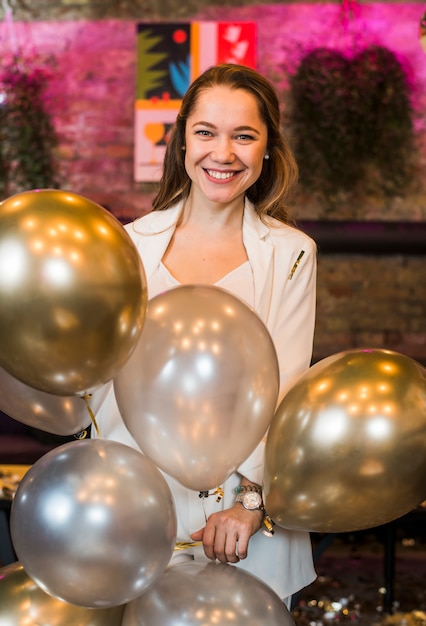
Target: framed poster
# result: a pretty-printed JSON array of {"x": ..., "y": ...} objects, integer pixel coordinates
[{"x": 169, "y": 57}]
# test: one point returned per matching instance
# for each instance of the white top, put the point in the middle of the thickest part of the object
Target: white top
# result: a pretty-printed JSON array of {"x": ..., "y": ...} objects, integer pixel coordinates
[
  {"x": 281, "y": 289},
  {"x": 239, "y": 282}
]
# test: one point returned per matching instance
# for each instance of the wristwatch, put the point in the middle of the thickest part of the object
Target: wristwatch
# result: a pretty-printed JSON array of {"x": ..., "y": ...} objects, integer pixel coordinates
[
  {"x": 250, "y": 496},
  {"x": 251, "y": 500}
]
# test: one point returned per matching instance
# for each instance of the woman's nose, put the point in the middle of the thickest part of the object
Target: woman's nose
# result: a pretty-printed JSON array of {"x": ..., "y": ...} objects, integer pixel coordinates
[{"x": 223, "y": 151}]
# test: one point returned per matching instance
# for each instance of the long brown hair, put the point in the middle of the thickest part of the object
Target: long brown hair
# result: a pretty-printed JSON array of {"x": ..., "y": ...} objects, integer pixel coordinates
[{"x": 269, "y": 193}]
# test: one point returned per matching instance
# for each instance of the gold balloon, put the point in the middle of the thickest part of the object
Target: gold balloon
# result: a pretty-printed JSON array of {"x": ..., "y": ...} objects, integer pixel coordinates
[
  {"x": 22, "y": 603},
  {"x": 72, "y": 292},
  {"x": 93, "y": 522},
  {"x": 201, "y": 387},
  {"x": 347, "y": 446},
  {"x": 59, "y": 415},
  {"x": 199, "y": 594}
]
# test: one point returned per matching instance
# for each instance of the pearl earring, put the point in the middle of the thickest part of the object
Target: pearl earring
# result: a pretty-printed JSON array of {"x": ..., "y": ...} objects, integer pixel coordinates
[{"x": 266, "y": 157}]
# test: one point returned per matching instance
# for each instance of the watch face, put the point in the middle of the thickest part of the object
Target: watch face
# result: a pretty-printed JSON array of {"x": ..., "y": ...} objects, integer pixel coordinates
[{"x": 252, "y": 500}]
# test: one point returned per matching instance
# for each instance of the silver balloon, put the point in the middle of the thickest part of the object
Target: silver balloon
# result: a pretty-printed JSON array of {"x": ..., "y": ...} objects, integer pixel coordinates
[
  {"x": 347, "y": 446},
  {"x": 72, "y": 290},
  {"x": 207, "y": 595},
  {"x": 23, "y": 603},
  {"x": 201, "y": 386},
  {"x": 93, "y": 523},
  {"x": 60, "y": 415}
]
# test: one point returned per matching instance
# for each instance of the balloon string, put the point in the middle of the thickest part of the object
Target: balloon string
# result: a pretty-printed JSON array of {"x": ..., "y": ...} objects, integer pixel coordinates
[
  {"x": 184, "y": 545},
  {"x": 205, "y": 494},
  {"x": 92, "y": 415}
]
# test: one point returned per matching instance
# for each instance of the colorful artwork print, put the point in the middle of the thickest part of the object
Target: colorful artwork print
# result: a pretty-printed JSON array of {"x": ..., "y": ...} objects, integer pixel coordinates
[
  {"x": 170, "y": 57},
  {"x": 236, "y": 43},
  {"x": 153, "y": 122},
  {"x": 163, "y": 69}
]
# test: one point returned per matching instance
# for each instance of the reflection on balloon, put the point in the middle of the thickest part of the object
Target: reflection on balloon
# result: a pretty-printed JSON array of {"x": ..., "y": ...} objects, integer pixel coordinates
[
  {"x": 72, "y": 289},
  {"x": 23, "y": 603},
  {"x": 93, "y": 523},
  {"x": 197, "y": 594},
  {"x": 347, "y": 446},
  {"x": 200, "y": 389},
  {"x": 60, "y": 415}
]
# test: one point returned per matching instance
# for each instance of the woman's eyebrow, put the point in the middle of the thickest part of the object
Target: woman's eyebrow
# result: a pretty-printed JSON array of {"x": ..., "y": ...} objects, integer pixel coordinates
[
  {"x": 202, "y": 123},
  {"x": 237, "y": 129},
  {"x": 249, "y": 128}
]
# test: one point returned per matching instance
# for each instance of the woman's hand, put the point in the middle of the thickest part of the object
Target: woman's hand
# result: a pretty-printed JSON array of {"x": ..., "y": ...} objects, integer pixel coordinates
[{"x": 226, "y": 534}]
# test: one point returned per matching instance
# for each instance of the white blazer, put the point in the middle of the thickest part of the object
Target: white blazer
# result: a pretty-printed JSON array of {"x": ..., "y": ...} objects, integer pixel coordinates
[
  {"x": 283, "y": 262},
  {"x": 284, "y": 295}
]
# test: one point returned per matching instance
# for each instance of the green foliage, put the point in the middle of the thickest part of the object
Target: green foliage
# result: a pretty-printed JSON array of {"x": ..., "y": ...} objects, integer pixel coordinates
[
  {"x": 27, "y": 136},
  {"x": 352, "y": 122}
]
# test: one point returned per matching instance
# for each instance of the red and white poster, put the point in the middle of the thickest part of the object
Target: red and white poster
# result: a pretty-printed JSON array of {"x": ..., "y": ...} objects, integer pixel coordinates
[{"x": 169, "y": 57}]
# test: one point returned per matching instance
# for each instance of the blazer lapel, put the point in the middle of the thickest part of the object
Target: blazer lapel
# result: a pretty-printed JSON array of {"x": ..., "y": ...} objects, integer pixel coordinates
[
  {"x": 260, "y": 252},
  {"x": 152, "y": 234}
]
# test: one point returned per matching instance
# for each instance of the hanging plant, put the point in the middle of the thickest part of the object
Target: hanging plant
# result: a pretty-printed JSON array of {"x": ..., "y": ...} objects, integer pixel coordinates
[
  {"x": 322, "y": 121},
  {"x": 27, "y": 136},
  {"x": 384, "y": 119},
  {"x": 352, "y": 122}
]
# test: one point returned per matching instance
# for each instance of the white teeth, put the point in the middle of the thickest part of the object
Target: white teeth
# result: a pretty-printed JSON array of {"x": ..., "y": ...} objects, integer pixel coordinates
[{"x": 220, "y": 175}]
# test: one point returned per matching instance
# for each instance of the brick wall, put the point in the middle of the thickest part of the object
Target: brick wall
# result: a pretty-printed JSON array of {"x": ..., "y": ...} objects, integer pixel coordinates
[
  {"x": 371, "y": 301},
  {"x": 379, "y": 301}
]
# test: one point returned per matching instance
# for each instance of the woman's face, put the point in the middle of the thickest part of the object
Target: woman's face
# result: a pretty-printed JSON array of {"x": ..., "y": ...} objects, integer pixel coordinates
[{"x": 226, "y": 141}]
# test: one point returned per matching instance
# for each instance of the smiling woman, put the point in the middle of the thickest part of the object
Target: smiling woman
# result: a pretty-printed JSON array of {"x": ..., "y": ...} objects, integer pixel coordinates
[
  {"x": 224, "y": 154},
  {"x": 279, "y": 170},
  {"x": 221, "y": 219}
]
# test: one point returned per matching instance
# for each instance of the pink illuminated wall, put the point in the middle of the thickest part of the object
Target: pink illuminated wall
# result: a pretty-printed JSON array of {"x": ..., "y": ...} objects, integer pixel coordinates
[
  {"x": 362, "y": 300},
  {"x": 92, "y": 88}
]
